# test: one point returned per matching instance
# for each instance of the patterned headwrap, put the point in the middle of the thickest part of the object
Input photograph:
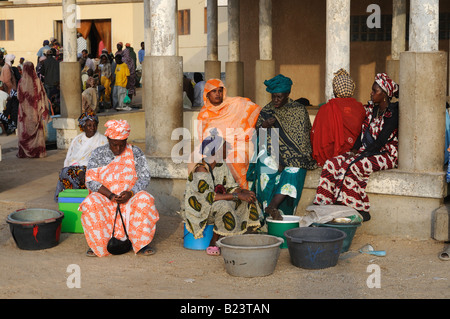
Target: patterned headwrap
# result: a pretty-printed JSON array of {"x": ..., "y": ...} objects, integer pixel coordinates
[
  {"x": 85, "y": 117},
  {"x": 343, "y": 85},
  {"x": 279, "y": 84},
  {"x": 386, "y": 84},
  {"x": 117, "y": 129}
]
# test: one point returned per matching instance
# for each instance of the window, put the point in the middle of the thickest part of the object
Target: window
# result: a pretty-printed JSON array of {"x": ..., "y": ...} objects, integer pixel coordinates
[
  {"x": 359, "y": 31},
  {"x": 184, "y": 22},
  {"x": 6, "y": 30},
  {"x": 444, "y": 25}
]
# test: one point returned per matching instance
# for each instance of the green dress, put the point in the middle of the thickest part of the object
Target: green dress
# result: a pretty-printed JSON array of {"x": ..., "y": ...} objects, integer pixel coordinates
[
  {"x": 295, "y": 156},
  {"x": 228, "y": 217}
]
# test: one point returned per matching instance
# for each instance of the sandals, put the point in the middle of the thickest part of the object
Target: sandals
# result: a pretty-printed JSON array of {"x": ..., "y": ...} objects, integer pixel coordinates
[
  {"x": 213, "y": 251},
  {"x": 146, "y": 251},
  {"x": 90, "y": 253},
  {"x": 445, "y": 254}
]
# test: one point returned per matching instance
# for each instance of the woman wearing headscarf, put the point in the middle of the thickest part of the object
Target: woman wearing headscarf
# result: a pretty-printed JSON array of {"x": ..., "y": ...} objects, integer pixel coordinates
[
  {"x": 279, "y": 170},
  {"x": 214, "y": 197},
  {"x": 33, "y": 114},
  {"x": 72, "y": 176},
  {"x": 235, "y": 119},
  {"x": 344, "y": 178},
  {"x": 118, "y": 174},
  {"x": 10, "y": 77},
  {"x": 7, "y": 74},
  {"x": 337, "y": 124},
  {"x": 131, "y": 80},
  {"x": 105, "y": 78}
]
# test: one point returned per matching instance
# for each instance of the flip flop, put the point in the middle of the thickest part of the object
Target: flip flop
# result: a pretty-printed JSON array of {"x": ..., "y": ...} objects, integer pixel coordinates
[
  {"x": 445, "y": 254},
  {"x": 213, "y": 251},
  {"x": 90, "y": 253},
  {"x": 146, "y": 251}
]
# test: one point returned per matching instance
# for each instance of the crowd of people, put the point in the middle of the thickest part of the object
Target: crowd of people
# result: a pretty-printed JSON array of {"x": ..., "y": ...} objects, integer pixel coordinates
[
  {"x": 109, "y": 82},
  {"x": 251, "y": 163},
  {"x": 347, "y": 140}
]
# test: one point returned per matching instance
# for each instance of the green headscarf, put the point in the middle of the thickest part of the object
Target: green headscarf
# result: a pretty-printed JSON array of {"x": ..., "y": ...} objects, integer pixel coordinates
[{"x": 279, "y": 84}]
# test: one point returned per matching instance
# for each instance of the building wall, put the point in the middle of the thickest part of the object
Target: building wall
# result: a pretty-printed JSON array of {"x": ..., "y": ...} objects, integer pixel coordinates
[
  {"x": 299, "y": 42},
  {"x": 127, "y": 25},
  {"x": 193, "y": 47}
]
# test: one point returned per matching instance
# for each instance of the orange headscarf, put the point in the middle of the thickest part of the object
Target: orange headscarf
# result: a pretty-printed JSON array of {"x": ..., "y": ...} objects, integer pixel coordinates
[
  {"x": 235, "y": 120},
  {"x": 117, "y": 129}
]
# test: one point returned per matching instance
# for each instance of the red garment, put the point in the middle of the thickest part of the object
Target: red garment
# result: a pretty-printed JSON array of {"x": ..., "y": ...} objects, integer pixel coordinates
[{"x": 336, "y": 127}]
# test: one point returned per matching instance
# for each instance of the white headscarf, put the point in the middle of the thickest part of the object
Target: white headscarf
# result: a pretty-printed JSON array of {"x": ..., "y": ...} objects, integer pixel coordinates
[{"x": 9, "y": 58}]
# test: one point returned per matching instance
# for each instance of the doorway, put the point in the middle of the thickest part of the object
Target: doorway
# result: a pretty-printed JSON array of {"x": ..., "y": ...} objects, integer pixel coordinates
[{"x": 97, "y": 33}]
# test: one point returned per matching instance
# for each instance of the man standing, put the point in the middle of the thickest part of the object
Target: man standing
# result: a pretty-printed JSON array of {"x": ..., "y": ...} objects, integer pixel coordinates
[
  {"x": 120, "y": 86},
  {"x": 141, "y": 53},
  {"x": 198, "y": 89},
  {"x": 81, "y": 43},
  {"x": 50, "y": 70},
  {"x": 42, "y": 51}
]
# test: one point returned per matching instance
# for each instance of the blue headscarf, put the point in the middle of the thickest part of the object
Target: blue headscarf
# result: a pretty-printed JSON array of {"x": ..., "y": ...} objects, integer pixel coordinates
[{"x": 279, "y": 84}]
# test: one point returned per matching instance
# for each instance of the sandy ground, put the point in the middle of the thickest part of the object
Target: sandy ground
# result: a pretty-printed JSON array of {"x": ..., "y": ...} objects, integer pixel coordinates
[{"x": 410, "y": 268}]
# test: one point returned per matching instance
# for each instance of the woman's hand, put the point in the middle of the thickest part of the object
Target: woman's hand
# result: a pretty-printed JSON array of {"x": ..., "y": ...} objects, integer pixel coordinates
[
  {"x": 246, "y": 195},
  {"x": 353, "y": 152},
  {"x": 123, "y": 197},
  {"x": 269, "y": 122}
]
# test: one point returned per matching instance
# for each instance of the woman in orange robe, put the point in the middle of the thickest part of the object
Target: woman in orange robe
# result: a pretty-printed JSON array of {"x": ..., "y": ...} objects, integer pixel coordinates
[
  {"x": 234, "y": 118},
  {"x": 117, "y": 173}
]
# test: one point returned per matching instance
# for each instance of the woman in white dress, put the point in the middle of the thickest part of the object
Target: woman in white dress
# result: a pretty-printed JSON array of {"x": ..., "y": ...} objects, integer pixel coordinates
[{"x": 72, "y": 176}]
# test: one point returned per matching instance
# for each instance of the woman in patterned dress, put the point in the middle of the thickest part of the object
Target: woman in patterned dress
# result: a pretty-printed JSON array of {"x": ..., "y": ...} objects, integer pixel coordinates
[
  {"x": 118, "y": 174},
  {"x": 279, "y": 172},
  {"x": 72, "y": 176},
  {"x": 214, "y": 197},
  {"x": 344, "y": 177}
]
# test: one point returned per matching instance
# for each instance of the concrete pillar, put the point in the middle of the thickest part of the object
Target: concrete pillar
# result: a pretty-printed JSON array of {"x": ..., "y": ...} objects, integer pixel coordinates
[
  {"x": 265, "y": 66},
  {"x": 234, "y": 68},
  {"x": 163, "y": 108},
  {"x": 424, "y": 26},
  {"x": 337, "y": 41},
  {"x": 162, "y": 68},
  {"x": 422, "y": 111},
  {"x": 70, "y": 79},
  {"x": 423, "y": 88},
  {"x": 212, "y": 63},
  {"x": 398, "y": 39}
]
